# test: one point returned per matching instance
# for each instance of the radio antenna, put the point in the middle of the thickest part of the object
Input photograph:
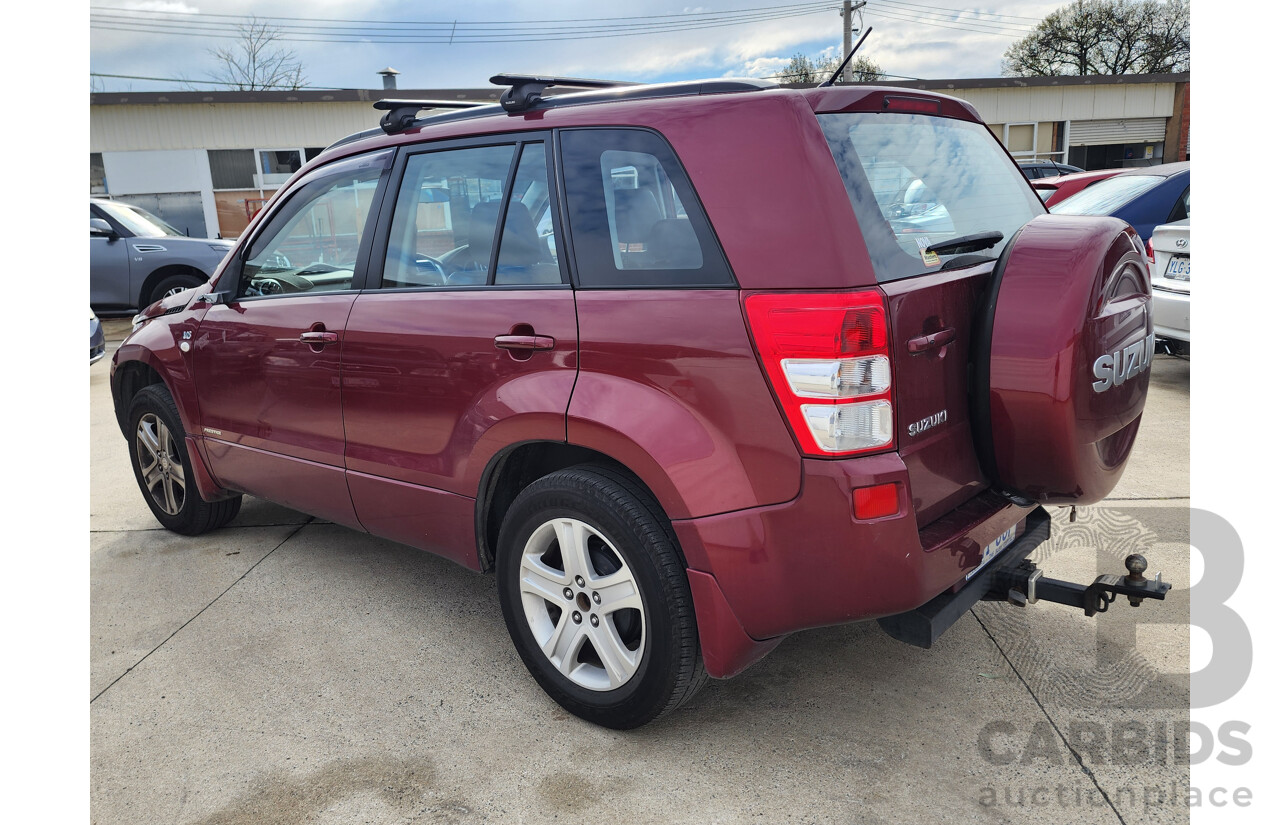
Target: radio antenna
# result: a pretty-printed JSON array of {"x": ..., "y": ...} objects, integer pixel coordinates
[{"x": 830, "y": 81}]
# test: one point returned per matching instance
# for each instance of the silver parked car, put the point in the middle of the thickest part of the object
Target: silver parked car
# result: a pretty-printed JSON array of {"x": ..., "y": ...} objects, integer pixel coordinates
[
  {"x": 1169, "y": 257},
  {"x": 135, "y": 259}
]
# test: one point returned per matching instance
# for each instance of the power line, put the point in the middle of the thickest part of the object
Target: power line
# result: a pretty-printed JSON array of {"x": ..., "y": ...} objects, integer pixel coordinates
[
  {"x": 877, "y": 13},
  {"x": 456, "y": 22},
  {"x": 951, "y": 19},
  {"x": 950, "y": 10},
  {"x": 417, "y": 32}
]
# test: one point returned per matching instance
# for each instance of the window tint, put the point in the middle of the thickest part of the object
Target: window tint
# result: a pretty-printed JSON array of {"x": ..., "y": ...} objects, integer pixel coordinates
[
  {"x": 1181, "y": 207},
  {"x": 633, "y": 214},
  {"x": 916, "y": 180},
  {"x": 313, "y": 243},
  {"x": 138, "y": 221},
  {"x": 527, "y": 255},
  {"x": 446, "y": 217},
  {"x": 1106, "y": 196}
]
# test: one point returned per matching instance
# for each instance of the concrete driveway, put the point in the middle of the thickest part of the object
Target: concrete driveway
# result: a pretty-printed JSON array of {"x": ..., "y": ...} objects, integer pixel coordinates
[{"x": 286, "y": 670}]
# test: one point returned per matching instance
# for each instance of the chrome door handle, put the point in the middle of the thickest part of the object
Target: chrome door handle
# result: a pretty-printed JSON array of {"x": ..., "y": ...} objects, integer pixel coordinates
[
  {"x": 524, "y": 342},
  {"x": 318, "y": 338}
]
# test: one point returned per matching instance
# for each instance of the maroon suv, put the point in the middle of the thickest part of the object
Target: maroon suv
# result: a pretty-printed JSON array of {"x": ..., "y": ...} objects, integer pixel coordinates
[{"x": 691, "y": 367}]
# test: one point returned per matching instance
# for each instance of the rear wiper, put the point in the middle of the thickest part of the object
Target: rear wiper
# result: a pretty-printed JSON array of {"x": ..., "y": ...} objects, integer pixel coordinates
[
  {"x": 961, "y": 261},
  {"x": 967, "y": 243}
]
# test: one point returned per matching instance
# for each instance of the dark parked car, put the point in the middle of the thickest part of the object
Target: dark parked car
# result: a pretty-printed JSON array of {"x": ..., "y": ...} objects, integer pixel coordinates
[
  {"x": 97, "y": 341},
  {"x": 1034, "y": 169},
  {"x": 136, "y": 259},
  {"x": 566, "y": 340},
  {"x": 1144, "y": 198},
  {"x": 1053, "y": 190}
]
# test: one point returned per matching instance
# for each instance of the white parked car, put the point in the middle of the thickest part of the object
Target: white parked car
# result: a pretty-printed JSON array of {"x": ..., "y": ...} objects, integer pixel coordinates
[{"x": 1169, "y": 256}]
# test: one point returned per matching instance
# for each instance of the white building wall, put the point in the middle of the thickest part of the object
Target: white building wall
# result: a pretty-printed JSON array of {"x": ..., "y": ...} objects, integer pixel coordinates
[
  {"x": 127, "y": 127},
  {"x": 1028, "y": 104},
  {"x": 162, "y": 171}
]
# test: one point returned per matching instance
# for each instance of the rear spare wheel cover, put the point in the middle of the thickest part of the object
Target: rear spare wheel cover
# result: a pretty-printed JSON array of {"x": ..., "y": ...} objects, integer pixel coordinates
[{"x": 1063, "y": 361}]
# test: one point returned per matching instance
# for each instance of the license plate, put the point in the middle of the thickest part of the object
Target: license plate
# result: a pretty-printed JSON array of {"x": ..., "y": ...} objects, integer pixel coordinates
[
  {"x": 1179, "y": 268},
  {"x": 993, "y": 549}
]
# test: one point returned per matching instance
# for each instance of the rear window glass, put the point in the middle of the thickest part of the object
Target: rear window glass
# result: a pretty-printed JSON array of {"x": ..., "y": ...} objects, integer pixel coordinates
[
  {"x": 1106, "y": 196},
  {"x": 917, "y": 180}
]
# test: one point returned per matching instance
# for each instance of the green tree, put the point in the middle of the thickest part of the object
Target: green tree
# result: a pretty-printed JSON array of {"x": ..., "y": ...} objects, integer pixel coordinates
[
  {"x": 1106, "y": 37},
  {"x": 803, "y": 69}
]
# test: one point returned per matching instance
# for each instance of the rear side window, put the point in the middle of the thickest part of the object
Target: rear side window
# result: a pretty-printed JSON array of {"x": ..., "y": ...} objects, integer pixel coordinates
[
  {"x": 633, "y": 215},
  {"x": 1106, "y": 196},
  {"x": 916, "y": 180}
]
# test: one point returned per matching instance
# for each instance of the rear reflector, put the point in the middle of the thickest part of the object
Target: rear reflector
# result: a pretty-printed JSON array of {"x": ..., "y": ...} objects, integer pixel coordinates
[
  {"x": 827, "y": 357},
  {"x": 875, "y": 502}
]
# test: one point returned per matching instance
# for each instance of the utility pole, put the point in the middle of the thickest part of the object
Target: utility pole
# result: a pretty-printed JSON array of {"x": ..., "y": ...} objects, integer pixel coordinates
[{"x": 847, "y": 13}]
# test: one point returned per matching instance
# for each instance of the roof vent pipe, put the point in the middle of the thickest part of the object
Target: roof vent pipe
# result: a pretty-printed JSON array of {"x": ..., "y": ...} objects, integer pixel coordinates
[{"x": 388, "y": 77}]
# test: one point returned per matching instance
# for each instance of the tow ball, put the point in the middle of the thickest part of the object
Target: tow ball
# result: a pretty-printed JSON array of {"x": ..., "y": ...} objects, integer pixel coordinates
[{"x": 1026, "y": 584}]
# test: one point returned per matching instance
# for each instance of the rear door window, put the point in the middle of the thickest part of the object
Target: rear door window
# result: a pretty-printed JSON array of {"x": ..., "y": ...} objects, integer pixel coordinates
[
  {"x": 917, "y": 180},
  {"x": 633, "y": 215}
]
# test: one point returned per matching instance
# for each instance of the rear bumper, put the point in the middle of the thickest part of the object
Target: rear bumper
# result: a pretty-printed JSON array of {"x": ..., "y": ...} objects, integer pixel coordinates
[
  {"x": 810, "y": 563},
  {"x": 922, "y": 626},
  {"x": 1171, "y": 314}
]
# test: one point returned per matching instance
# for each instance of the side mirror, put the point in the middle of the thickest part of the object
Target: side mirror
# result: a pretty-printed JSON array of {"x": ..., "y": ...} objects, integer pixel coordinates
[
  {"x": 100, "y": 228},
  {"x": 212, "y": 298}
]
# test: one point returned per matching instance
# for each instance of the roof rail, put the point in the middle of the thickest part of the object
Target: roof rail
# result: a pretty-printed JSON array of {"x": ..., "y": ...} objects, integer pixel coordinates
[
  {"x": 401, "y": 116},
  {"x": 526, "y": 90},
  {"x": 402, "y": 113}
]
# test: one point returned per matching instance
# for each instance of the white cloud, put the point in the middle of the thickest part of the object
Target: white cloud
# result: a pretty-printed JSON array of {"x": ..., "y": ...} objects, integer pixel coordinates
[{"x": 900, "y": 46}]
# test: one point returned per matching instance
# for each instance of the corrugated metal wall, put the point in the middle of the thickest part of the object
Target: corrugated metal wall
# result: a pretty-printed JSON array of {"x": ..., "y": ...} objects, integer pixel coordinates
[
  {"x": 1028, "y": 104},
  {"x": 1129, "y": 130},
  {"x": 131, "y": 128}
]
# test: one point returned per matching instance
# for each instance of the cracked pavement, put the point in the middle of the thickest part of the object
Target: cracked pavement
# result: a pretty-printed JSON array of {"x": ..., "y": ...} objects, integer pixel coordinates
[{"x": 284, "y": 669}]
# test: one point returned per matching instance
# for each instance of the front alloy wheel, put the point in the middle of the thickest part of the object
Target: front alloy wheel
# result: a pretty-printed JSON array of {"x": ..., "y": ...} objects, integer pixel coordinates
[
  {"x": 160, "y": 465},
  {"x": 158, "y": 452}
]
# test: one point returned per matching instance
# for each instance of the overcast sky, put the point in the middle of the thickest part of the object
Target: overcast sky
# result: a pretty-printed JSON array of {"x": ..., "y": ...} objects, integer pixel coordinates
[{"x": 912, "y": 38}]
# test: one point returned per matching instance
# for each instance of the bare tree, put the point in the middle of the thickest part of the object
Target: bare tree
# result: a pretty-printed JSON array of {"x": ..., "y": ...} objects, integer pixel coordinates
[
  {"x": 1106, "y": 37},
  {"x": 255, "y": 61}
]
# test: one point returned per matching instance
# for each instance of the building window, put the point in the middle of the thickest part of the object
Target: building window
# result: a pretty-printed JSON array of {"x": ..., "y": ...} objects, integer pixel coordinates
[
  {"x": 278, "y": 165},
  {"x": 97, "y": 174},
  {"x": 231, "y": 168}
]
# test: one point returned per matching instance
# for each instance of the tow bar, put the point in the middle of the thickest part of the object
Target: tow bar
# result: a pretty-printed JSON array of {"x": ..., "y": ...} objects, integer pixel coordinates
[
  {"x": 1013, "y": 578},
  {"x": 1026, "y": 584}
]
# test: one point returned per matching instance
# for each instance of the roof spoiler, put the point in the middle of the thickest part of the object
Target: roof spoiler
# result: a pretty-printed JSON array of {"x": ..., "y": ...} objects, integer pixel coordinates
[
  {"x": 526, "y": 90},
  {"x": 402, "y": 113}
]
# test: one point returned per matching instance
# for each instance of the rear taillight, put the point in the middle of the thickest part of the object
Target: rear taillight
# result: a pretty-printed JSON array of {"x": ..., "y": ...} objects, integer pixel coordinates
[
  {"x": 1151, "y": 253},
  {"x": 827, "y": 356}
]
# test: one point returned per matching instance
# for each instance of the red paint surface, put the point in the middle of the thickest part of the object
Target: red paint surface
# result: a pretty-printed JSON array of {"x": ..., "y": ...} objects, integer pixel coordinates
[
  {"x": 808, "y": 563},
  {"x": 671, "y": 388}
]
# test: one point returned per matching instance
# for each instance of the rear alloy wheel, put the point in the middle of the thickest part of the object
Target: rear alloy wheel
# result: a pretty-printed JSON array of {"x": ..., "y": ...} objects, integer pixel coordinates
[
  {"x": 596, "y": 598},
  {"x": 158, "y": 452}
]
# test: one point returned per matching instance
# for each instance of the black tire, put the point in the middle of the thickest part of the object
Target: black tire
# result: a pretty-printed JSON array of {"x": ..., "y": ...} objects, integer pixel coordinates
[
  {"x": 629, "y": 542},
  {"x": 155, "y": 432},
  {"x": 172, "y": 283}
]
